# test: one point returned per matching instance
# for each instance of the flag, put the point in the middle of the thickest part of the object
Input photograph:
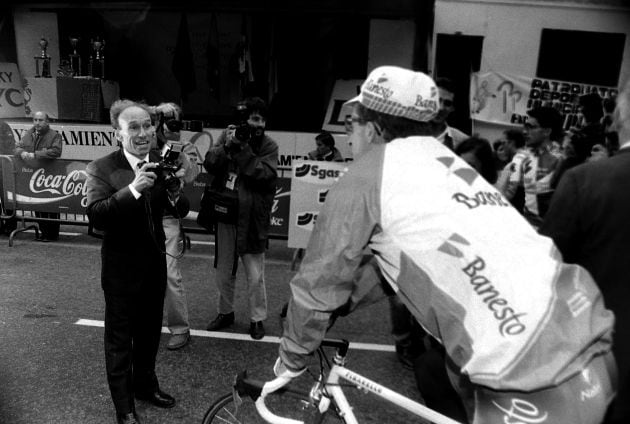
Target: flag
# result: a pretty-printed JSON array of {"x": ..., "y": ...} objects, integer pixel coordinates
[{"x": 183, "y": 64}]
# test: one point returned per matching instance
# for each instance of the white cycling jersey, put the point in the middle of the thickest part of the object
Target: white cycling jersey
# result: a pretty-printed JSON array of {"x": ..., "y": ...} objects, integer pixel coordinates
[{"x": 476, "y": 275}]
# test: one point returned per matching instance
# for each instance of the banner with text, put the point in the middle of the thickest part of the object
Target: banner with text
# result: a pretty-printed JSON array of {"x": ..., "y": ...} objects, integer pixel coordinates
[
  {"x": 310, "y": 183},
  {"x": 45, "y": 185},
  {"x": 505, "y": 98},
  {"x": 92, "y": 141},
  {"x": 60, "y": 186},
  {"x": 11, "y": 95}
]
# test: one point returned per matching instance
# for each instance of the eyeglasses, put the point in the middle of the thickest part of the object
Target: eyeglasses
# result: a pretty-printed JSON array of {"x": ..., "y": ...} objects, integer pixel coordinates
[{"x": 349, "y": 121}]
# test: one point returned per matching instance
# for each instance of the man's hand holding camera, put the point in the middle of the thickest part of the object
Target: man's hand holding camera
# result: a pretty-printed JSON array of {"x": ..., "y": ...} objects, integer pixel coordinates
[
  {"x": 232, "y": 143},
  {"x": 145, "y": 178}
]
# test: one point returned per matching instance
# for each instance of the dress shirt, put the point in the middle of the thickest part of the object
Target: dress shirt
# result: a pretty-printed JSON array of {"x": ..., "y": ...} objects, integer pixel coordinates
[{"x": 133, "y": 162}]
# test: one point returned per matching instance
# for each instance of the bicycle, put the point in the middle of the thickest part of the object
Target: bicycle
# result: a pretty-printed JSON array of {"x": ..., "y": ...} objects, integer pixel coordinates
[{"x": 325, "y": 399}]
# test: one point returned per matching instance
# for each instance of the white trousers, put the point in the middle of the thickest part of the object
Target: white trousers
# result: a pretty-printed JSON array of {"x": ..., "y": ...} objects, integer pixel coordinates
[{"x": 175, "y": 298}]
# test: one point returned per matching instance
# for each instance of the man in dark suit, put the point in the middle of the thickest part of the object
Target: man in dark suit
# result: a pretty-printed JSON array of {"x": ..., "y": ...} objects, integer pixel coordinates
[
  {"x": 588, "y": 220},
  {"x": 126, "y": 201}
]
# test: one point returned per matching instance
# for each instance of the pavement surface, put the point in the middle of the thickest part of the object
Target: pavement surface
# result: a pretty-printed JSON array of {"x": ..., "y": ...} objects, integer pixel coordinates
[{"x": 51, "y": 337}]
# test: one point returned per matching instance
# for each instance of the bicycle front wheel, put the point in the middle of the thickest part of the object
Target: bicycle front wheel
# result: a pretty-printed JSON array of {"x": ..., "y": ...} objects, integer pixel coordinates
[{"x": 225, "y": 411}]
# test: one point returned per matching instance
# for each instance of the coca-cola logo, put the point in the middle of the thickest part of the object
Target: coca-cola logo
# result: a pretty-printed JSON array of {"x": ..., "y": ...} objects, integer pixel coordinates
[
  {"x": 521, "y": 411},
  {"x": 60, "y": 186}
]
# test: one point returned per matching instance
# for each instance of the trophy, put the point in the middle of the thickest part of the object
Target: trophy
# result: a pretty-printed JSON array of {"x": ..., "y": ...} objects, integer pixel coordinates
[
  {"x": 75, "y": 58},
  {"x": 44, "y": 59},
  {"x": 96, "y": 65}
]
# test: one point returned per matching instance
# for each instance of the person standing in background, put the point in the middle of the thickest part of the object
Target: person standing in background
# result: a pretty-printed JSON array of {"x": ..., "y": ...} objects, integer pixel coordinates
[
  {"x": 517, "y": 153},
  {"x": 326, "y": 150},
  {"x": 168, "y": 116},
  {"x": 543, "y": 126},
  {"x": 42, "y": 142},
  {"x": 244, "y": 162},
  {"x": 449, "y": 136}
]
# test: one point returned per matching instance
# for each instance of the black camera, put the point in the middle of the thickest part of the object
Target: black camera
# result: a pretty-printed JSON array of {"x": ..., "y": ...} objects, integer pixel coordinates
[
  {"x": 168, "y": 165},
  {"x": 243, "y": 131},
  {"x": 173, "y": 125}
]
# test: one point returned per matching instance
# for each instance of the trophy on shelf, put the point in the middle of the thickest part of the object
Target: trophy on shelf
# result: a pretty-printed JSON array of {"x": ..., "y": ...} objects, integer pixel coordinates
[
  {"x": 42, "y": 59},
  {"x": 96, "y": 65},
  {"x": 75, "y": 58}
]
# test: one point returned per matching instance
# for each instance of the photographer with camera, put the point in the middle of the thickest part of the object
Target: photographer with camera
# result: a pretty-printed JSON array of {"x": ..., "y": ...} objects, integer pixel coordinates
[
  {"x": 179, "y": 159},
  {"x": 244, "y": 165},
  {"x": 126, "y": 197}
]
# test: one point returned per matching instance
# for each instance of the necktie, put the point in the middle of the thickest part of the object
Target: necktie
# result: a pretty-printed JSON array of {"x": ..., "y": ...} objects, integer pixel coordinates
[{"x": 146, "y": 196}]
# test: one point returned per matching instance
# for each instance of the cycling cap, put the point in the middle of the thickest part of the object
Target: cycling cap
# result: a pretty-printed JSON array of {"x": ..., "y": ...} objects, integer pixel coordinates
[{"x": 399, "y": 92}]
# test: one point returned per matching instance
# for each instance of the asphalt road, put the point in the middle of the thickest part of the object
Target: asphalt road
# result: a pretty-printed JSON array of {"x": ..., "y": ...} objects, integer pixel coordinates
[{"x": 51, "y": 337}]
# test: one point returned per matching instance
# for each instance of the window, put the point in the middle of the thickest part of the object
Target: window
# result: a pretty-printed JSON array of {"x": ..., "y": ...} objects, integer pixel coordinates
[{"x": 581, "y": 56}]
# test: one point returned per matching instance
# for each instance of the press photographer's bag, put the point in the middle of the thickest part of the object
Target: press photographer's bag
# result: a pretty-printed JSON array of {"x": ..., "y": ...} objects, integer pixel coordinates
[{"x": 218, "y": 206}]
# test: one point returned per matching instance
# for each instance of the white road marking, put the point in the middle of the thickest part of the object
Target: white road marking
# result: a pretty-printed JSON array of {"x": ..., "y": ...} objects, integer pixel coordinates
[{"x": 246, "y": 337}]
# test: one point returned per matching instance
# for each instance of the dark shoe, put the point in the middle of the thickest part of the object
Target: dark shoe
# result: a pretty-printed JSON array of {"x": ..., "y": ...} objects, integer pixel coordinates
[
  {"x": 221, "y": 321},
  {"x": 405, "y": 355},
  {"x": 157, "y": 398},
  {"x": 256, "y": 330},
  {"x": 130, "y": 418},
  {"x": 177, "y": 341}
]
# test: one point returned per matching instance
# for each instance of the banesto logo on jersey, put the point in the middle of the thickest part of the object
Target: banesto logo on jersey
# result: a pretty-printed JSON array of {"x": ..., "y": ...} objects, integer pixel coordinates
[
  {"x": 319, "y": 173},
  {"x": 306, "y": 220},
  {"x": 321, "y": 195}
]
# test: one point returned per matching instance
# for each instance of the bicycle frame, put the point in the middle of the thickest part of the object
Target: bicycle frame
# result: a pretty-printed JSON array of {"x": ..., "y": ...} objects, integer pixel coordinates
[{"x": 334, "y": 389}]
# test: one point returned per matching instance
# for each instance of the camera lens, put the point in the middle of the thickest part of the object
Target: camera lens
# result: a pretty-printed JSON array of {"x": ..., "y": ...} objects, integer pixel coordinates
[{"x": 174, "y": 125}]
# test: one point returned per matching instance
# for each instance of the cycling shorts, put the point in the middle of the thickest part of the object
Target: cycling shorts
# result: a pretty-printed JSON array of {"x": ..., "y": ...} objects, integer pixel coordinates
[{"x": 582, "y": 399}]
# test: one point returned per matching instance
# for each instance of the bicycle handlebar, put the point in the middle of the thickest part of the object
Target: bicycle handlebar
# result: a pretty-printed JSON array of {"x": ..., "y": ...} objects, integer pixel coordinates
[
  {"x": 258, "y": 390},
  {"x": 270, "y": 387}
]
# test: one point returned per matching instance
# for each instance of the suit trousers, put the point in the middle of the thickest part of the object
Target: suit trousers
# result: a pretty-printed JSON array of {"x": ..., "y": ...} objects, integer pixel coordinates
[
  {"x": 175, "y": 299},
  {"x": 133, "y": 324},
  {"x": 254, "y": 264}
]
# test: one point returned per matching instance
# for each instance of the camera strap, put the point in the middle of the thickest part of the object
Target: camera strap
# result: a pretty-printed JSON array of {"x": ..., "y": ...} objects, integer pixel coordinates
[{"x": 182, "y": 233}]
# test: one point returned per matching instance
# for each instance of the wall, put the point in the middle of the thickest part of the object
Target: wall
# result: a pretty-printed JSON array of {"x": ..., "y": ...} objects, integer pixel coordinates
[
  {"x": 512, "y": 31},
  {"x": 30, "y": 27},
  {"x": 391, "y": 43}
]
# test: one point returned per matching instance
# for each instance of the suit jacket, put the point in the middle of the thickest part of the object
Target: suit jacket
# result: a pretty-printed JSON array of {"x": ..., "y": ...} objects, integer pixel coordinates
[
  {"x": 47, "y": 145},
  {"x": 133, "y": 242},
  {"x": 588, "y": 220}
]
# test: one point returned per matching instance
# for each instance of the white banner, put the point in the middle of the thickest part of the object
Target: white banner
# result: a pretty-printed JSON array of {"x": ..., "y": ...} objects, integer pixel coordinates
[
  {"x": 91, "y": 141},
  {"x": 505, "y": 98},
  {"x": 310, "y": 182},
  {"x": 11, "y": 96}
]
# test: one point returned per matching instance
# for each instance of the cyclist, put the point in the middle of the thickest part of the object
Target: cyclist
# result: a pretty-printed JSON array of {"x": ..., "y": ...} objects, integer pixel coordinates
[{"x": 527, "y": 337}]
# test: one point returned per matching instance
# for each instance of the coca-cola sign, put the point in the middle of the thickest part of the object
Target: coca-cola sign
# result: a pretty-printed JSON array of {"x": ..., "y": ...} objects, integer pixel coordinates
[
  {"x": 50, "y": 186},
  {"x": 60, "y": 186}
]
